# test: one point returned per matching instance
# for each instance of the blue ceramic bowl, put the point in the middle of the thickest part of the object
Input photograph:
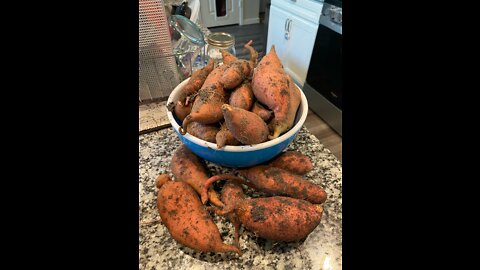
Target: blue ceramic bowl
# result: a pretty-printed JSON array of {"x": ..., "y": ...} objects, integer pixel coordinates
[{"x": 238, "y": 156}]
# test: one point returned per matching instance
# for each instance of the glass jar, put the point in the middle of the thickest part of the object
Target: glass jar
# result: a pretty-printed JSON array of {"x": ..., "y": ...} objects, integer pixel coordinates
[{"x": 217, "y": 42}]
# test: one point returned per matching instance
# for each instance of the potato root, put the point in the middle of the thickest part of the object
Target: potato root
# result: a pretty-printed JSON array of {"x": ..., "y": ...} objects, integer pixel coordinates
[
  {"x": 185, "y": 217},
  {"x": 292, "y": 161}
]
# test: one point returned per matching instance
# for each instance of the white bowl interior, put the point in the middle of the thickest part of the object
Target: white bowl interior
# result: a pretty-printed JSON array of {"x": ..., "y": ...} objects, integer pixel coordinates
[{"x": 299, "y": 120}]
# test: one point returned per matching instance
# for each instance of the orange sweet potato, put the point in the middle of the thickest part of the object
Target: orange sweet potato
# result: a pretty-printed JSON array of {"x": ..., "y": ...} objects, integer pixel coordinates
[
  {"x": 261, "y": 111},
  {"x": 246, "y": 127},
  {"x": 187, "y": 167},
  {"x": 273, "y": 87},
  {"x": 232, "y": 194},
  {"x": 292, "y": 161},
  {"x": 238, "y": 69},
  {"x": 188, "y": 222},
  {"x": 242, "y": 97},
  {"x": 181, "y": 110},
  {"x": 277, "y": 181},
  {"x": 225, "y": 137},
  {"x": 279, "y": 218},
  {"x": 206, "y": 132},
  {"x": 207, "y": 105},
  {"x": 194, "y": 84}
]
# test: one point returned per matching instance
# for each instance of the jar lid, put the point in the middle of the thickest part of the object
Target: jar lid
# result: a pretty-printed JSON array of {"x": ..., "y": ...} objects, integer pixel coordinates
[{"x": 221, "y": 39}]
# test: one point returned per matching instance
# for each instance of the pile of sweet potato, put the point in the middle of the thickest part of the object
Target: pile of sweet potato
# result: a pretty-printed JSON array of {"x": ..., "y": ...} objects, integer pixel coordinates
[
  {"x": 289, "y": 211},
  {"x": 238, "y": 102}
]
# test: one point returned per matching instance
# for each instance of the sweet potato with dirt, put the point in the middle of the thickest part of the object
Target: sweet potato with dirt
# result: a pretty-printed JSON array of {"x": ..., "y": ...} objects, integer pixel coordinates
[
  {"x": 279, "y": 218},
  {"x": 246, "y": 127},
  {"x": 292, "y": 161},
  {"x": 242, "y": 97},
  {"x": 206, "y": 132},
  {"x": 225, "y": 137},
  {"x": 276, "y": 181},
  {"x": 181, "y": 110},
  {"x": 261, "y": 111},
  {"x": 195, "y": 83},
  {"x": 207, "y": 105},
  {"x": 187, "y": 167},
  {"x": 231, "y": 195},
  {"x": 238, "y": 70},
  {"x": 273, "y": 87},
  {"x": 185, "y": 217}
]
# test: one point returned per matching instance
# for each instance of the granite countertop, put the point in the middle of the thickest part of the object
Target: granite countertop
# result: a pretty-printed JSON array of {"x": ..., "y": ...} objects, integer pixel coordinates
[{"x": 322, "y": 249}]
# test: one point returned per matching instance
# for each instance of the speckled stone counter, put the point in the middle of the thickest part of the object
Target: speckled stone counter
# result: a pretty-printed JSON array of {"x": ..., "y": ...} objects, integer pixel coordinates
[{"x": 322, "y": 249}]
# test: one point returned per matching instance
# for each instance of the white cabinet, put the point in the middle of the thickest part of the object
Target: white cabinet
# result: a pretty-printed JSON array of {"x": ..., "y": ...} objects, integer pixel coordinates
[{"x": 292, "y": 28}]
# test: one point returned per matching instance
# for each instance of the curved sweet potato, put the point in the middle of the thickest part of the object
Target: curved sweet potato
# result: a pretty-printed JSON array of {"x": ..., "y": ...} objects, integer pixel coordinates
[
  {"x": 238, "y": 69},
  {"x": 187, "y": 167},
  {"x": 207, "y": 105},
  {"x": 246, "y": 127},
  {"x": 188, "y": 222},
  {"x": 225, "y": 137},
  {"x": 292, "y": 161},
  {"x": 261, "y": 111},
  {"x": 277, "y": 181},
  {"x": 279, "y": 218},
  {"x": 206, "y": 132},
  {"x": 273, "y": 87},
  {"x": 242, "y": 97}
]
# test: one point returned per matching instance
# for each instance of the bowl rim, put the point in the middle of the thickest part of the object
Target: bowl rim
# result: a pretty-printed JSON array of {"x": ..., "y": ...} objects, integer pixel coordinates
[{"x": 239, "y": 148}]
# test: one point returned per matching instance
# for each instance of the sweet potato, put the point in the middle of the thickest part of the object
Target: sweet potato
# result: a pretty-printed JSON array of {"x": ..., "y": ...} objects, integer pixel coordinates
[
  {"x": 181, "y": 110},
  {"x": 232, "y": 194},
  {"x": 273, "y": 87},
  {"x": 279, "y": 218},
  {"x": 188, "y": 222},
  {"x": 277, "y": 181},
  {"x": 238, "y": 69},
  {"x": 207, "y": 105},
  {"x": 261, "y": 111},
  {"x": 227, "y": 57},
  {"x": 225, "y": 137},
  {"x": 195, "y": 83},
  {"x": 187, "y": 167},
  {"x": 292, "y": 161},
  {"x": 246, "y": 127},
  {"x": 206, "y": 132},
  {"x": 242, "y": 97}
]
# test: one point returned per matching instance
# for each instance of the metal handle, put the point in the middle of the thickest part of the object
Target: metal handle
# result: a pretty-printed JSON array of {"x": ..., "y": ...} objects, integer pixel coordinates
[{"x": 287, "y": 29}]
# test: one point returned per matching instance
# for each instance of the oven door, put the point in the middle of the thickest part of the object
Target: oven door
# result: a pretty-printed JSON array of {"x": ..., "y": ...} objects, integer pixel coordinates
[{"x": 323, "y": 85}]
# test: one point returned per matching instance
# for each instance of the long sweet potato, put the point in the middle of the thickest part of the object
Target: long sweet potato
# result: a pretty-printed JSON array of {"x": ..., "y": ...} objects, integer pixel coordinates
[
  {"x": 207, "y": 105},
  {"x": 246, "y": 127},
  {"x": 188, "y": 222},
  {"x": 206, "y": 132},
  {"x": 242, "y": 97},
  {"x": 279, "y": 218},
  {"x": 277, "y": 181},
  {"x": 187, "y": 167},
  {"x": 273, "y": 87},
  {"x": 292, "y": 161}
]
